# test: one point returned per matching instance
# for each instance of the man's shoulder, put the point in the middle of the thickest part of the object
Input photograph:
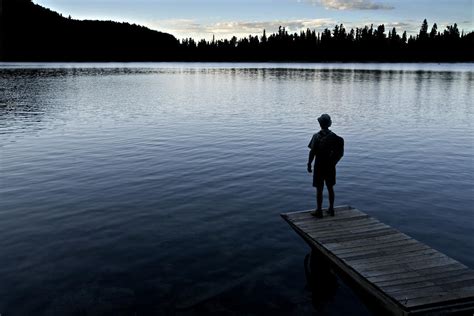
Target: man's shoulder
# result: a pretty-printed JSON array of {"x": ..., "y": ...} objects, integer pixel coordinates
[
  {"x": 336, "y": 140},
  {"x": 329, "y": 135},
  {"x": 335, "y": 136}
]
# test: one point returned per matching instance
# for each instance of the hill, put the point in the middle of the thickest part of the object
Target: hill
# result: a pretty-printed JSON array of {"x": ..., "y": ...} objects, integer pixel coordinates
[{"x": 30, "y": 32}]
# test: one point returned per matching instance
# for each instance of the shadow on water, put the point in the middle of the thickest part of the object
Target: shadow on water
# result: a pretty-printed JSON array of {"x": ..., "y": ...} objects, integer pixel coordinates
[
  {"x": 328, "y": 287},
  {"x": 325, "y": 283},
  {"x": 321, "y": 280}
]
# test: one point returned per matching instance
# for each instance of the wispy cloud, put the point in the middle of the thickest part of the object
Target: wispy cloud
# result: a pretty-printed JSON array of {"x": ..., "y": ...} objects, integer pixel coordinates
[
  {"x": 182, "y": 28},
  {"x": 352, "y": 5}
]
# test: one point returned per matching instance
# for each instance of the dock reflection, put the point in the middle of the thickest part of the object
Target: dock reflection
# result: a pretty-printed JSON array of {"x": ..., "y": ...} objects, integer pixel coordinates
[{"x": 321, "y": 281}]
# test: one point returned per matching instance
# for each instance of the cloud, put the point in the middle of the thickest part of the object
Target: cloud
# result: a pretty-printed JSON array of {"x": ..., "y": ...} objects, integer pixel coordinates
[
  {"x": 258, "y": 27},
  {"x": 182, "y": 28},
  {"x": 351, "y": 5},
  {"x": 410, "y": 26}
]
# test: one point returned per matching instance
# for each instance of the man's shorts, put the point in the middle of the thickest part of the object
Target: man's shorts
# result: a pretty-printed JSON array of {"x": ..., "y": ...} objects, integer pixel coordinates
[{"x": 324, "y": 174}]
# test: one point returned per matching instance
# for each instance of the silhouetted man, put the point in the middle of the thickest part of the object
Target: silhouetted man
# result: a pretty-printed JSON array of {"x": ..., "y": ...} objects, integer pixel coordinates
[{"x": 328, "y": 149}]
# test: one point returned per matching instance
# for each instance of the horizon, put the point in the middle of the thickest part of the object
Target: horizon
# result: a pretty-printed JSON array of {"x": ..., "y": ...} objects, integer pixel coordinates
[{"x": 242, "y": 19}]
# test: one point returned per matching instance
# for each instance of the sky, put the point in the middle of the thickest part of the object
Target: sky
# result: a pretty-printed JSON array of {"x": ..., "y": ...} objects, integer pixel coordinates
[{"x": 225, "y": 18}]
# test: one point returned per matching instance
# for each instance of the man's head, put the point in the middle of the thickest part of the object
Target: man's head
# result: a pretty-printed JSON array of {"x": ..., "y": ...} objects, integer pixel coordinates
[{"x": 324, "y": 121}]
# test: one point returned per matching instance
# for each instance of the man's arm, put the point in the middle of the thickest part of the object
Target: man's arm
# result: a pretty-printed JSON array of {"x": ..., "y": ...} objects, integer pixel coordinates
[
  {"x": 312, "y": 153},
  {"x": 310, "y": 160}
]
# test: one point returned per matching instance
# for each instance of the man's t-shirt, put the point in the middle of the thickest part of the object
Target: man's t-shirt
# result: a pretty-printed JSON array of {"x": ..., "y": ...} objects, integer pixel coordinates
[{"x": 327, "y": 147}]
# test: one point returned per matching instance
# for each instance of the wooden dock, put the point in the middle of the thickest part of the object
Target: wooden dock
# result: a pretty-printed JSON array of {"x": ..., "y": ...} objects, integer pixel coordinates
[{"x": 405, "y": 276}]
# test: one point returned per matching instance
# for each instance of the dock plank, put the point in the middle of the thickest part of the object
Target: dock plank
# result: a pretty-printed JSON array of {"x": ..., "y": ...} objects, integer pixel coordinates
[
  {"x": 418, "y": 273},
  {"x": 358, "y": 224},
  {"x": 432, "y": 292},
  {"x": 404, "y": 274},
  {"x": 455, "y": 282},
  {"x": 405, "y": 259},
  {"x": 373, "y": 246},
  {"x": 346, "y": 231},
  {"x": 368, "y": 241},
  {"x": 436, "y": 299},
  {"x": 392, "y": 257},
  {"x": 371, "y": 254},
  {"x": 405, "y": 264},
  {"x": 377, "y": 233},
  {"x": 425, "y": 278}
]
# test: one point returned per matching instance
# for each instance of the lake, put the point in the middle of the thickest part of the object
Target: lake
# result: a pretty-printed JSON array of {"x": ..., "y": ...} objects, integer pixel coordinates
[{"x": 156, "y": 188}]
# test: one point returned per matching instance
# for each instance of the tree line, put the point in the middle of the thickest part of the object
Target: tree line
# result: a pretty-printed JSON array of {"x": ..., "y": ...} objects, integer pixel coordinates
[{"x": 339, "y": 44}]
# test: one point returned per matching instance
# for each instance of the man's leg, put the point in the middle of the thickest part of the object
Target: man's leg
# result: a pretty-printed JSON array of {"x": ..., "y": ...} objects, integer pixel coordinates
[
  {"x": 331, "y": 199},
  {"x": 319, "y": 197},
  {"x": 319, "y": 202}
]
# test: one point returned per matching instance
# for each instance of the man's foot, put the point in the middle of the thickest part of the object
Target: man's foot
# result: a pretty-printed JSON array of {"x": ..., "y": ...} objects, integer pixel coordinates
[
  {"x": 331, "y": 212},
  {"x": 317, "y": 213}
]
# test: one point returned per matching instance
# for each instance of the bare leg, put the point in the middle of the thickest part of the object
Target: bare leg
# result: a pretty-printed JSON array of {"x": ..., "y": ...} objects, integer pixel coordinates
[
  {"x": 331, "y": 196},
  {"x": 319, "y": 198}
]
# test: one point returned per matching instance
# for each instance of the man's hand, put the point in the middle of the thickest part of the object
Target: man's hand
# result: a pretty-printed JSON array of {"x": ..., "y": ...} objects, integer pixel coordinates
[{"x": 309, "y": 168}]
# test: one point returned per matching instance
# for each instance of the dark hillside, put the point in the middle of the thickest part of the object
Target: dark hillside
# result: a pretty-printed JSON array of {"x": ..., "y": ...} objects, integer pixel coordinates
[{"x": 31, "y": 32}]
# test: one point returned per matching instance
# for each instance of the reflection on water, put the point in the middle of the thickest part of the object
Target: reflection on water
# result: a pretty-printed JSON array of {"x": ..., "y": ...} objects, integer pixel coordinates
[
  {"x": 320, "y": 280},
  {"x": 157, "y": 187}
]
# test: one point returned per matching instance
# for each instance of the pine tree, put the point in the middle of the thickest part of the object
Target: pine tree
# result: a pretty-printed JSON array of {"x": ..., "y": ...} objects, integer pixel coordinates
[
  {"x": 424, "y": 30},
  {"x": 264, "y": 37},
  {"x": 434, "y": 31}
]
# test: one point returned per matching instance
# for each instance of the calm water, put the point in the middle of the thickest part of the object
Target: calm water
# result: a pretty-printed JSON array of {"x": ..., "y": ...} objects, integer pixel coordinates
[{"x": 157, "y": 188}]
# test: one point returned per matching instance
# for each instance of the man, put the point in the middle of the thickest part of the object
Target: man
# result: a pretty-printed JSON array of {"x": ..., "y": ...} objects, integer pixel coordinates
[{"x": 328, "y": 149}]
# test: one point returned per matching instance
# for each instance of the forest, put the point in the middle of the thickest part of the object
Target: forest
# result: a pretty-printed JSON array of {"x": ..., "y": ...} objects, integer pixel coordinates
[
  {"x": 29, "y": 32},
  {"x": 368, "y": 43}
]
